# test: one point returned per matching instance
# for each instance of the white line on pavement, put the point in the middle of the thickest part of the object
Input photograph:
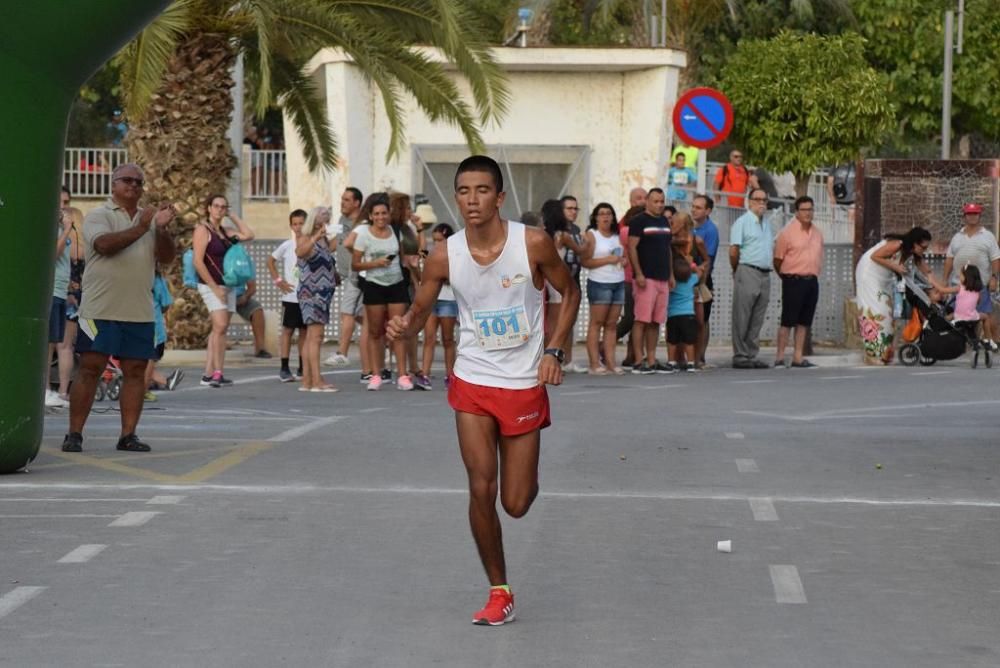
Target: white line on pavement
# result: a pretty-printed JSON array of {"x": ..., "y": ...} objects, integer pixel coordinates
[
  {"x": 884, "y": 408},
  {"x": 707, "y": 495},
  {"x": 930, "y": 373},
  {"x": 17, "y": 597},
  {"x": 51, "y": 516},
  {"x": 579, "y": 394},
  {"x": 735, "y": 435},
  {"x": 840, "y": 377},
  {"x": 134, "y": 519},
  {"x": 301, "y": 430},
  {"x": 373, "y": 410},
  {"x": 241, "y": 381},
  {"x": 82, "y": 554},
  {"x": 751, "y": 382},
  {"x": 165, "y": 500},
  {"x": 763, "y": 510},
  {"x": 56, "y": 500},
  {"x": 787, "y": 584},
  {"x": 747, "y": 466}
]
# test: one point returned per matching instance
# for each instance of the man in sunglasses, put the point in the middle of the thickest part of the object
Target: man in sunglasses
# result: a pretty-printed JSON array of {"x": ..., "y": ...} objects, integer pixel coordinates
[{"x": 123, "y": 243}]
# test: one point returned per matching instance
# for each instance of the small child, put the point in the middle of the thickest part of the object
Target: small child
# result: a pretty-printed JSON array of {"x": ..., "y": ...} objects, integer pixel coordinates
[
  {"x": 162, "y": 300},
  {"x": 968, "y": 295},
  {"x": 682, "y": 327}
]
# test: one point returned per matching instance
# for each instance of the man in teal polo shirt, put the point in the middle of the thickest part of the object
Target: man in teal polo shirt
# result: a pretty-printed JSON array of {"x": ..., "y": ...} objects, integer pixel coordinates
[{"x": 751, "y": 248}]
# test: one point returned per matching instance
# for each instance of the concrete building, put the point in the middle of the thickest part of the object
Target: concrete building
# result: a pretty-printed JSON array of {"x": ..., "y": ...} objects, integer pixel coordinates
[{"x": 589, "y": 122}]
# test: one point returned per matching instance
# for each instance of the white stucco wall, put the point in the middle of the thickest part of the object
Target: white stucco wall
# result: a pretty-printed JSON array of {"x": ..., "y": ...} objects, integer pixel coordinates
[{"x": 617, "y": 102}]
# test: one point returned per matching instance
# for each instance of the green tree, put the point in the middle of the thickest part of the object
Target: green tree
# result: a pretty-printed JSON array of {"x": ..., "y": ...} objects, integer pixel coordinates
[
  {"x": 804, "y": 101},
  {"x": 177, "y": 86},
  {"x": 905, "y": 39}
]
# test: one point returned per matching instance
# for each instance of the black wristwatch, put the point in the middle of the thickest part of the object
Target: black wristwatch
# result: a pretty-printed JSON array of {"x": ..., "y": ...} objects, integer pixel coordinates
[{"x": 557, "y": 353}]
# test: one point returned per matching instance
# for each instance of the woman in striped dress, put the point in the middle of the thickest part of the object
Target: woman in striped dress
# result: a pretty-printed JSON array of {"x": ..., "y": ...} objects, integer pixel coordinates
[{"x": 315, "y": 292}]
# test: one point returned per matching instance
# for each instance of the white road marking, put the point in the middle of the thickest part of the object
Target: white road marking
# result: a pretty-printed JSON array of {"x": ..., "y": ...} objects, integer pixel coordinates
[
  {"x": 301, "y": 430},
  {"x": 763, "y": 510},
  {"x": 241, "y": 381},
  {"x": 752, "y": 382},
  {"x": 655, "y": 387},
  {"x": 17, "y": 597},
  {"x": 373, "y": 410},
  {"x": 579, "y": 394},
  {"x": 840, "y": 377},
  {"x": 57, "y": 500},
  {"x": 82, "y": 554},
  {"x": 931, "y": 373},
  {"x": 747, "y": 466},
  {"x": 885, "y": 408},
  {"x": 134, "y": 519},
  {"x": 52, "y": 516},
  {"x": 165, "y": 500},
  {"x": 735, "y": 435},
  {"x": 787, "y": 584},
  {"x": 707, "y": 495}
]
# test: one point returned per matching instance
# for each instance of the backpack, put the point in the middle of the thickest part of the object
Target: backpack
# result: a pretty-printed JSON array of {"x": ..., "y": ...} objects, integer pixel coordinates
[
  {"x": 237, "y": 267},
  {"x": 190, "y": 275}
]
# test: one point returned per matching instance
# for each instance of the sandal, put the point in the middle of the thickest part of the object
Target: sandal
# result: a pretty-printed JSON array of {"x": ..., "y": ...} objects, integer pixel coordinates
[{"x": 598, "y": 371}]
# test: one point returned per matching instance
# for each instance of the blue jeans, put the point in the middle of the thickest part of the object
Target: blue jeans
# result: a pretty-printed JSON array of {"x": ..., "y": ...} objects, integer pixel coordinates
[{"x": 605, "y": 293}]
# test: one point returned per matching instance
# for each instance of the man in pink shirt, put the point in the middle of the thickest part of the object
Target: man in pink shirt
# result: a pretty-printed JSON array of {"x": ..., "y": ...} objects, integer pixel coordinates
[{"x": 798, "y": 259}]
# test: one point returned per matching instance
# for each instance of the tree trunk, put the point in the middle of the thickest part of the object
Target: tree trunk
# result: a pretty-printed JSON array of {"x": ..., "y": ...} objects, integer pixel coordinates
[
  {"x": 183, "y": 147},
  {"x": 802, "y": 184}
]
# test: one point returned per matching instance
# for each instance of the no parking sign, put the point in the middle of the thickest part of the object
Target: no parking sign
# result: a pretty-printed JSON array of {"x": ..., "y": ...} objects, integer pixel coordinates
[{"x": 703, "y": 117}]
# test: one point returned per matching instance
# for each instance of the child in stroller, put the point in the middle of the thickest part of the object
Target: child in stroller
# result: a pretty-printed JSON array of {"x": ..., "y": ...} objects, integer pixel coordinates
[{"x": 939, "y": 337}]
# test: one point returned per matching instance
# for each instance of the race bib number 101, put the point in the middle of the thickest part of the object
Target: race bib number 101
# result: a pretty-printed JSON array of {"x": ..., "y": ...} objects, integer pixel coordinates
[{"x": 499, "y": 329}]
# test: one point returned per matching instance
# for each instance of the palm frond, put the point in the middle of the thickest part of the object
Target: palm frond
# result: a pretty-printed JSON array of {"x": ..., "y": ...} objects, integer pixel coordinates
[
  {"x": 301, "y": 101},
  {"x": 144, "y": 60}
]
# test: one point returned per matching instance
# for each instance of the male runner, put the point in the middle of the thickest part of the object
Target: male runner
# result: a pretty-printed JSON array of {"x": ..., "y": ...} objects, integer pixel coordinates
[{"x": 497, "y": 269}]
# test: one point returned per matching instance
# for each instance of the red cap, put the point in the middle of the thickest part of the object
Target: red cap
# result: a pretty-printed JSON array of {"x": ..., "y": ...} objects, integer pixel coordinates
[{"x": 972, "y": 207}]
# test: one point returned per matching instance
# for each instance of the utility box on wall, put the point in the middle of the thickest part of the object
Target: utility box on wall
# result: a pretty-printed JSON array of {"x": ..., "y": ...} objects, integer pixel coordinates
[{"x": 895, "y": 195}]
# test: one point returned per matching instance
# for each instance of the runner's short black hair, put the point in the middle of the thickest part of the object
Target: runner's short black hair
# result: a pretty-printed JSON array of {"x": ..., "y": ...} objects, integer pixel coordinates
[{"x": 481, "y": 163}]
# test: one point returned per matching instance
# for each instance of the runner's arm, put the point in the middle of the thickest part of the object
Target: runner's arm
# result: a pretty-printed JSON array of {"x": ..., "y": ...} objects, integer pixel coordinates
[
  {"x": 542, "y": 252},
  {"x": 434, "y": 275}
]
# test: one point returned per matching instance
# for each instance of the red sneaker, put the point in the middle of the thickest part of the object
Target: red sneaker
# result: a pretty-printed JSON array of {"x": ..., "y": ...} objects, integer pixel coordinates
[{"x": 499, "y": 609}]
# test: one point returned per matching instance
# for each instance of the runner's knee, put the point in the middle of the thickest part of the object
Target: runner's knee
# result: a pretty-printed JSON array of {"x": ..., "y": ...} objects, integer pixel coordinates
[{"x": 519, "y": 505}]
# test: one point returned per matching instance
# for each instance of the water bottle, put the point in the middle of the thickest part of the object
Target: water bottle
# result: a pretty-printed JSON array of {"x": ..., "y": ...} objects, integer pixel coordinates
[{"x": 897, "y": 299}]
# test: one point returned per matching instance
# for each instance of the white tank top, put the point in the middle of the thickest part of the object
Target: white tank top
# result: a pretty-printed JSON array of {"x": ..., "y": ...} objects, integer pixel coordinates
[
  {"x": 603, "y": 247},
  {"x": 500, "y": 336}
]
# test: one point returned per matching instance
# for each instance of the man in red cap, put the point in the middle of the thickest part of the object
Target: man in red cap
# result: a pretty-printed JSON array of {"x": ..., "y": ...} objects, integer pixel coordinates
[{"x": 975, "y": 245}]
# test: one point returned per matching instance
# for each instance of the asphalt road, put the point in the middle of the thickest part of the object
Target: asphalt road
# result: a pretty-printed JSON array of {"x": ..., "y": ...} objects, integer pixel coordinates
[{"x": 271, "y": 527}]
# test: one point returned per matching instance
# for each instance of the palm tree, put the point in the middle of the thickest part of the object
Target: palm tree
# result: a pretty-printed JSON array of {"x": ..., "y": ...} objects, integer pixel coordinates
[{"x": 177, "y": 86}]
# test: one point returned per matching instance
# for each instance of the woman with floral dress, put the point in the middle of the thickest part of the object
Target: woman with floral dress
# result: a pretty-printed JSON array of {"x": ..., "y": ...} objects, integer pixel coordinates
[{"x": 875, "y": 279}]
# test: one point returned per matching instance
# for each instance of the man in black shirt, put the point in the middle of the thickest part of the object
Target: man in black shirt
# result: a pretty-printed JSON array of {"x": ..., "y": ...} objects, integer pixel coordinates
[{"x": 653, "y": 278}]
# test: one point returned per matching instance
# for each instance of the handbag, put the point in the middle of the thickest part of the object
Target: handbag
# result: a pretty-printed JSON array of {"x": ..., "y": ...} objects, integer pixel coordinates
[{"x": 704, "y": 294}]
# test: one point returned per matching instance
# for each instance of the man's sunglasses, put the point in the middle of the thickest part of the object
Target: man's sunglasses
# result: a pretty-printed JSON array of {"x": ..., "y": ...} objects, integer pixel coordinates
[{"x": 130, "y": 181}]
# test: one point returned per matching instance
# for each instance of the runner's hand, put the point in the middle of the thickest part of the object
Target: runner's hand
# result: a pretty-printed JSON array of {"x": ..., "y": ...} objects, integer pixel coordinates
[
  {"x": 549, "y": 371},
  {"x": 396, "y": 329}
]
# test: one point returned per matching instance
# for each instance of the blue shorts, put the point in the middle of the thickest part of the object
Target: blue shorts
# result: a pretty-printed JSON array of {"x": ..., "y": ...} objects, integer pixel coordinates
[
  {"x": 985, "y": 304},
  {"x": 446, "y": 308},
  {"x": 57, "y": 320},
  {"x": 124, "y": 340},
  {"x": 605, "y": 293}
]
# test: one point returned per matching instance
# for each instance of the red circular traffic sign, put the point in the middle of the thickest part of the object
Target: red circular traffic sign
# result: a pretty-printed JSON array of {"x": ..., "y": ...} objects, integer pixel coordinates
[{"x": 703, "y": 117}]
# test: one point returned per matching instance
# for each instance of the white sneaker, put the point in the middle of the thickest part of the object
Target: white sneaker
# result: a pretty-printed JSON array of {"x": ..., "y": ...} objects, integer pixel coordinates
[
  {"x": 573, "y": 367},
  {"x": 53, "y": 400},
  {"x": 336, "y": 359}
]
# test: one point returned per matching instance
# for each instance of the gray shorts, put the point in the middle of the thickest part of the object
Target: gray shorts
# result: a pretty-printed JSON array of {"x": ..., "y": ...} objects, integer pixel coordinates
[
  {"x": 350, "y": 298},
  {"x": 247, "y": 309}
]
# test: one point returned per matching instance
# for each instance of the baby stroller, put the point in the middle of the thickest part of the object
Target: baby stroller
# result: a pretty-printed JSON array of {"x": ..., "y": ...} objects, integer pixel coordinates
[{"x": 939, "y": 338}]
